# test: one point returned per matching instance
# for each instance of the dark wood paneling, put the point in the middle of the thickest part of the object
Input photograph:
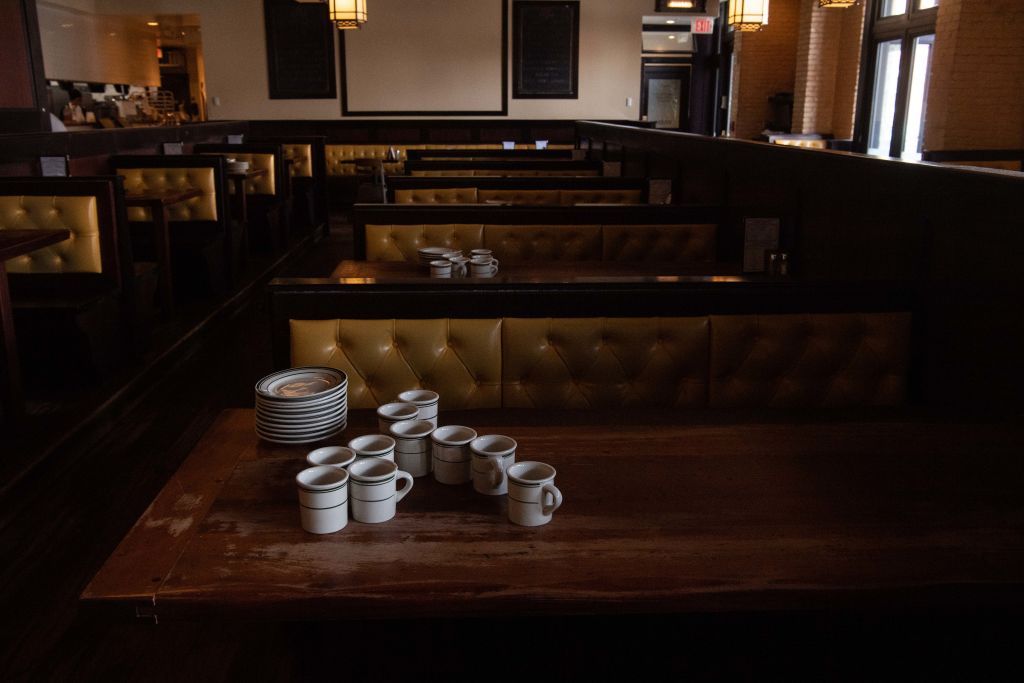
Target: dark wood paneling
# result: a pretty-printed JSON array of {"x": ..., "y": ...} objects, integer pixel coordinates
[
  {"x": 21, "y": 69},
  {"x": 954, "y": 232},
  {"x": 300, "y": 50}
]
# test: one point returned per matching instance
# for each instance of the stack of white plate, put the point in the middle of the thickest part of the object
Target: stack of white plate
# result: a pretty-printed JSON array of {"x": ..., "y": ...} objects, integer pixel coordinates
[
  {"x": 428, "y": 254},
  {"x": 301, "y": 405}
]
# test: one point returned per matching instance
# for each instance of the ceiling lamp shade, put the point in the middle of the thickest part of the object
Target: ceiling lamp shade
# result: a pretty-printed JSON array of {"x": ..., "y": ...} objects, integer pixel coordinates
[
  {"x": 347, "y": 13},
  {"x": 836, "y": 3},
  {"x": 748, "y": 15}
]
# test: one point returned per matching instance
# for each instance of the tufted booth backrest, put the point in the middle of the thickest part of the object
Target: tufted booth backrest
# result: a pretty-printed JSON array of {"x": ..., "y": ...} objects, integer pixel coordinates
[
  {"x": 598, "y": 196},
  {"x": 301, "y": 156},
  {"x": 689, "y": 243},
  {"x": 400, "y": 242},
  {"x": 791, "y": 361},
  {"x": 568, "y": 363},
  {"x": 721, "y": 361},
  {"x": 203, "y": 178},
  {"x": 458, "y": 358},
  {"x": 448, "y": 195},
  {"x": 532, "y": 243},
  {"x": 533, "y": 197},
  {"x": 341, "y": 157},
  {"x": 80, "y": 253}
]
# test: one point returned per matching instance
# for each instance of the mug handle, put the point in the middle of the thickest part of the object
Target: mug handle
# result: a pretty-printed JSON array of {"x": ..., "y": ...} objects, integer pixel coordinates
[
  {"x": 556, "y": 499},
  {"x": 405, "y": 489},
  {"x": 497, "y": 472}
]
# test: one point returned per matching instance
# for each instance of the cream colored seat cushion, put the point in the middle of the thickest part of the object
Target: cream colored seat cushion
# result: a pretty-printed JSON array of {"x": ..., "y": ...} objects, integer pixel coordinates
[
  {"x": 80, "y": 253},
  {"x": 400, "y": 242}
]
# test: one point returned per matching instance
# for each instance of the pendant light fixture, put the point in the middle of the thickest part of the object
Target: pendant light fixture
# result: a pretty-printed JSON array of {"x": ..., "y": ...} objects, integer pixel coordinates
[
  {"x": 836, "y": 3},
  {"x": 748, "y": 15},
  {"x": 347, "y": 14}
]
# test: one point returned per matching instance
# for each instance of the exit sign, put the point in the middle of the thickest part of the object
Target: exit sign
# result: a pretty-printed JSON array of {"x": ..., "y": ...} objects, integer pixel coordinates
[{"x": 702, "y": 25}]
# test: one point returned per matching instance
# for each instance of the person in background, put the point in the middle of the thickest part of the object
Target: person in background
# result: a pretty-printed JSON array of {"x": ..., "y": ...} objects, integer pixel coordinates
[{"x": 73, "y": 113}]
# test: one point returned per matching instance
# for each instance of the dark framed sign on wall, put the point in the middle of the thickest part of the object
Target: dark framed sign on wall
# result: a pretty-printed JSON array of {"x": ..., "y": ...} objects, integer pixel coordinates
[
  {"x": 545, "y": 50},
  {"x": 300, "y": 50}
]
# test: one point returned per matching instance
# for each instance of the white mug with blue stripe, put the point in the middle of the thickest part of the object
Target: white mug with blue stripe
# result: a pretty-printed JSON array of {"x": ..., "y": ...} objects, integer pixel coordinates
[
  {"x": 323, "y": 498},
  {"x": 532, "y": 495},
  {"x": 375, "y": 492}
]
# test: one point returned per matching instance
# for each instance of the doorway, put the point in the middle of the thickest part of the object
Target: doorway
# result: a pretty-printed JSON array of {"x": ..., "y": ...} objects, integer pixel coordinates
[{"x": 665, "y": 95}]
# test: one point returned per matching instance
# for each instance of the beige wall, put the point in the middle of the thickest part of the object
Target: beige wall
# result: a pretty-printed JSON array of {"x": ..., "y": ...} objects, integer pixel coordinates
[
  {"x": 765, "y": 64},
  {"x": 976, "y": 91},
  {"x": 236, "y": 72}
]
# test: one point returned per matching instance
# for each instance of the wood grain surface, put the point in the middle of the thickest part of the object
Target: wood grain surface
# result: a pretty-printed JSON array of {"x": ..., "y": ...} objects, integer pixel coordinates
[
  {"x": 384, "y": 272},
  {"x": 658, "y": 517}
]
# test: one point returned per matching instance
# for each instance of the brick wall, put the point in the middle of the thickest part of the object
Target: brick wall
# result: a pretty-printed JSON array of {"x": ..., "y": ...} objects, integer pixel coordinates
[
  {"x": 827, "y": 68},
  {"x": 765, "y": 64},
  {"x": 976, "y": 91}
]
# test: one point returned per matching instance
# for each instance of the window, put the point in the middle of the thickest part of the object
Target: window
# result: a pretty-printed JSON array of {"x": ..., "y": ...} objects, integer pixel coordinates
[{"x": 894, "y": 96}]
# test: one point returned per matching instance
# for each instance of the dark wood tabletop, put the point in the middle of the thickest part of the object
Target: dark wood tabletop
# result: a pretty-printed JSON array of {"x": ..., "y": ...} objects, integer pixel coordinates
[
  {"x": 658, "y": 517},
  {"x": 158, "y": 198},
  {"x": 564, "y": 272},
  {"x": 15, "y": 243}
]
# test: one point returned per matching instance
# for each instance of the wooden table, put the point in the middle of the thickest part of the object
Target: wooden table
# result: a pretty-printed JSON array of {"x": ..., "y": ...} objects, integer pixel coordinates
[
  {"x": 158, "y": 203},
  {"x": 14, "y": 243},
  {"x": 659, "y": 517},
  {"x": 551, "y": 272}
]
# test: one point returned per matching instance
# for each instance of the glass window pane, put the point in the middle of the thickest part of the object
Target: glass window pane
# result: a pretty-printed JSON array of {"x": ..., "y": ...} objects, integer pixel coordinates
[
  {"x": 893, "y": 7},
  {"x": 663, "y": 101},
  {"x": 921, "y": 59},
  {"x": 927, "y": 4},
  {"x": 883, "y": 99}
]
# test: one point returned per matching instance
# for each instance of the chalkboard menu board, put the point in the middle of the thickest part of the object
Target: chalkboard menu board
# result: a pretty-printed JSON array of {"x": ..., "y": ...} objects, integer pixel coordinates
[
  {"x": 545, "y": 49},
  {"x": 300, "y": 50}
]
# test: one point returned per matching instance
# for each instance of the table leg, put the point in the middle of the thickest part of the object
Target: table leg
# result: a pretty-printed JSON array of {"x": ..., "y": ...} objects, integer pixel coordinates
[
  {"x": 10, "y": 369},
  {"x": 161, "y": 224}
]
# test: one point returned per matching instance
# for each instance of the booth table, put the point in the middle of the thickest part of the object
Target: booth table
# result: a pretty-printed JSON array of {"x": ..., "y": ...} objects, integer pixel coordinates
[
  {"x": 158, "y": 202},
  {"x": 14, "y": 243},
  {"x": 660, "y": 516}
]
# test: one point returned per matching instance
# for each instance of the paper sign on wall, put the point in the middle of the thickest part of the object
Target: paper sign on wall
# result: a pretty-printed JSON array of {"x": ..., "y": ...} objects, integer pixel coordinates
[
  {"x": 53, "y": 167},
  {"x": 759, "y": 235}
]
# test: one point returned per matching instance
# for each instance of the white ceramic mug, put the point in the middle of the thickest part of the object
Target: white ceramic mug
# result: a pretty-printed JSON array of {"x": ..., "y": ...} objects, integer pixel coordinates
[
  {"x": 336, "y": 456},
  {"x": 493, "y": 454},
  {"x": 373, "y": 446},
  {"x": 460, "y": 265},
  {"x": 483, "y": 266},
  {"x": 425, "y": 400},
  {"x": 412, "y": 446},
  {"x": 530, "y": 484},
  {"x": 451, "y": 455},
  {"x": 323, "y": 498},
  {"x": 476, "y": 253},
  {"x": 390, "y": 413},
  {"x": 375, "y": 492},
  {"x": 441, "y": 269}
]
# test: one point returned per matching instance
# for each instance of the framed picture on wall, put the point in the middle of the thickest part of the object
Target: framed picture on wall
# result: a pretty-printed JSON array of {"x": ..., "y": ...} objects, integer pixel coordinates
[{"x": 545, "y": 50}]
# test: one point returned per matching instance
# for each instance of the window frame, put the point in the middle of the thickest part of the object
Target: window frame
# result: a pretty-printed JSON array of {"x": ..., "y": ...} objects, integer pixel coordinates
[{"x": 906, "y": 28}]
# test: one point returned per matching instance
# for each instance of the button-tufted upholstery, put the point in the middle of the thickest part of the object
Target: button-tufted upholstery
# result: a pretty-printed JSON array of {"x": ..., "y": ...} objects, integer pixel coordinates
[
  {"x": 450, "y": 195},
  {"x": 301, "y": 156},
  {"x": 565, "y": 363},
  {"x": 795, "y": 361},
  {"x": 458, "y": 358},
  {"x": 265, "y": 184},
  {"x": 535, "y": 197},
  {"x": 80, "y": 253},
  {"x": 658, "y": 242},
  {"x": 570, "y": 197},
  {"x": 201, "y": 208},
  {"x": 519, "y": 243},
  {"x": 784, "y": 361},
  {"x": 400, "y": 242},
  {"x": 341, "y": 157}
]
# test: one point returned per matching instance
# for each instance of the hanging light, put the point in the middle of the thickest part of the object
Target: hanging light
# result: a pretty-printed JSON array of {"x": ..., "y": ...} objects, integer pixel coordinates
[
  {"x": 836, "y": 3},
  {"x": 347, "y": 13},
  {"x": 748, "y": 15}
]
